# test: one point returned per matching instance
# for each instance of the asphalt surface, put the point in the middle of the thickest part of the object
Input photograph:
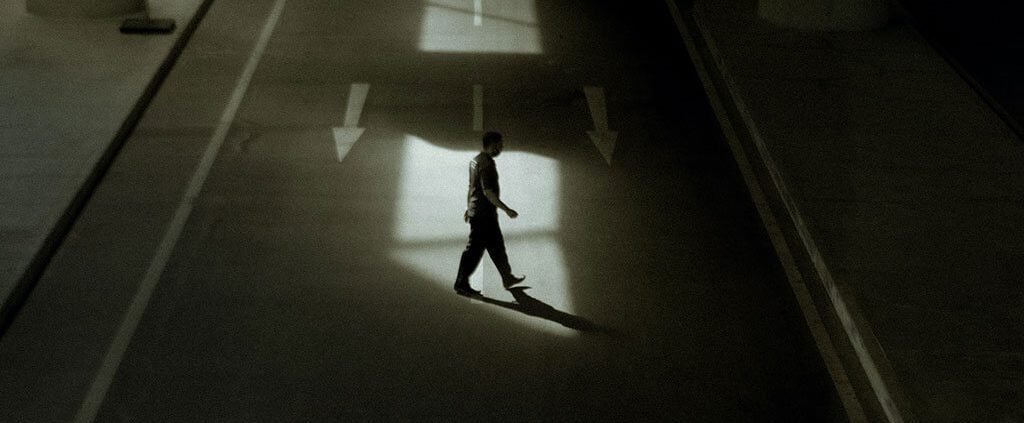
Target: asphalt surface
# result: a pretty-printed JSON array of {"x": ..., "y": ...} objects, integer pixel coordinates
[{"x": 311, "y": 277}]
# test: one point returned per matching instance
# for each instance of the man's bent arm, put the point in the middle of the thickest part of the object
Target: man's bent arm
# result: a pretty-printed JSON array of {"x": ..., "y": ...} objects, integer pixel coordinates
[{"x": 494, "y": 199}]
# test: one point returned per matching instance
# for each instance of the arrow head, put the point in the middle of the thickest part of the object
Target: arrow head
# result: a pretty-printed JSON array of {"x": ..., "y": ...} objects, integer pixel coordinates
[
  {"x": 345, "y": 138},
  {"x": 605, "y": 142}
]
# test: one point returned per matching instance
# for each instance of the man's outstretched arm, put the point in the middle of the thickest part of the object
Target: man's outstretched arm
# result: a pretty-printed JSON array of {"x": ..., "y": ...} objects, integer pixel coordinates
[{"x": 494, "y": 199}]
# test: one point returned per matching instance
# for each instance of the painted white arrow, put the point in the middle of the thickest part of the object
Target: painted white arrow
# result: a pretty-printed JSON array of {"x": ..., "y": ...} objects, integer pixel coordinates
[
  {"x": 346, "y": 136},
  {"x": 602, "y": 137}
]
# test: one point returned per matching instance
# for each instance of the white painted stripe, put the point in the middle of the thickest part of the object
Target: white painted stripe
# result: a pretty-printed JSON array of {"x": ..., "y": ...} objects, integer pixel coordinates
[
  {"x": 478, "y": 12},
  {"x": 112, "y": 360},
  {"x": 356, "y": 99},
  {"x": 598, "y": 109},
  {"x": 478, "y": 107},
  {"x": 605, "y": 143},
  {"x": 344, "y": 139}
]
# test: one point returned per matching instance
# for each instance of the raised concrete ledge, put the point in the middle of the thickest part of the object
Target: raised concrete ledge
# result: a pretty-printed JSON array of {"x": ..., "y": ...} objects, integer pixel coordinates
[
  {"x": 899, "y": 188},
  {"x": 75, "y": 89}
]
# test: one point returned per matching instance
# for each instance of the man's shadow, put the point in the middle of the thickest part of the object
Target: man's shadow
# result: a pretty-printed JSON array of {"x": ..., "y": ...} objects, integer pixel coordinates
[{"x": 533, "y": 307}]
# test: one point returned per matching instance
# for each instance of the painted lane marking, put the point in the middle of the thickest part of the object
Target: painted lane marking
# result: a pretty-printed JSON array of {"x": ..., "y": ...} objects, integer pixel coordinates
[
  {"x": 602, "y": 137},
  {"x": 455, "y": 26},
  {"x": 356, "y": 99},
  {"x": 112, "y": 360},
  {"x": 346, "y": 137},
  {"x": 598, "y": 109},
  {"x": 478, "y": 107}
]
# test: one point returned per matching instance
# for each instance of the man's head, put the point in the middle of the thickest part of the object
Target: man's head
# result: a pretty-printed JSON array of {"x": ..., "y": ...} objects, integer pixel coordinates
[{"x": 493, "y": 144}]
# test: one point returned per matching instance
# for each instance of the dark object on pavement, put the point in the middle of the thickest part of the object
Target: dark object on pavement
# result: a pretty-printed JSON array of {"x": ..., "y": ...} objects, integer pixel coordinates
[{"x": 147, "y": 26}]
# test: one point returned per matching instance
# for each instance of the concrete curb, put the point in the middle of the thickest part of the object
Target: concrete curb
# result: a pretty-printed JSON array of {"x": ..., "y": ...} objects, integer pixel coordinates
[
  {"x": 11, "y": 305},
  {"x": 767, "y": 182}
]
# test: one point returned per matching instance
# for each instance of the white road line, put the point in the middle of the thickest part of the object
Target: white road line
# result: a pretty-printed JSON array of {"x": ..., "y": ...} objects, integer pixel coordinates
[
  {"x": 478, "y": 12},
  {"x": 478, "y": 107},
  {"x": 603, "y": 138},
  {"x": 356, "y": 99},
  {"x": 346, "y": 137},
  {"x": 598, "y": 109},
  {"x": 112, "y": 360}
]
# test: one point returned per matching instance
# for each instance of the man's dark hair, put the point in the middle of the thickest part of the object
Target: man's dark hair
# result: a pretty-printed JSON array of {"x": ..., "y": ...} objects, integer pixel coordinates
[{"x": 491, "y": 138}]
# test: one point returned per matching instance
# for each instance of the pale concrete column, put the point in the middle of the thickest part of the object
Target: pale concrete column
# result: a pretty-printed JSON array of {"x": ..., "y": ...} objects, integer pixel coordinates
[
  {"x": 826, "y": 15},
  {"x": 85, "y": 8}
]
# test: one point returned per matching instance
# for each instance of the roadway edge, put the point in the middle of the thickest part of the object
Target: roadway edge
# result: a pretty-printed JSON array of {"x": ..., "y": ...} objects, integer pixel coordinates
[
  {"x": 860, "y": 370},
  {"x": 22, "y": 289}
]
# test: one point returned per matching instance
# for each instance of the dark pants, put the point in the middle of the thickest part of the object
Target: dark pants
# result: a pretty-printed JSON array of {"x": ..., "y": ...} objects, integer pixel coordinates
[{"x": 484, "y": 234}]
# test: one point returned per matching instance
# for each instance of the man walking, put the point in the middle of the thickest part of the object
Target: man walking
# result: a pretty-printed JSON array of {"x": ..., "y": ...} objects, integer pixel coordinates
[{"x": 482, "y": 215}]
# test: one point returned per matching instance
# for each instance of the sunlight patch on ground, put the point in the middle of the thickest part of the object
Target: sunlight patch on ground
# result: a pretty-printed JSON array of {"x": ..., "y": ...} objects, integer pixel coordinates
[
  {"x": 430, "y": 233},
  {"x": 496, "y": 26},
  {"x": 433, "y": 189}
]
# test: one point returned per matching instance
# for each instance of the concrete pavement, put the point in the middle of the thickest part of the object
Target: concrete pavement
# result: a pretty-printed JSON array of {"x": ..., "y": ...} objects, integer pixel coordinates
[
  {"x": 271, "y": 278},
  {"x": 69, "y": 86},
  {"x": 898, "y": 190}
]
